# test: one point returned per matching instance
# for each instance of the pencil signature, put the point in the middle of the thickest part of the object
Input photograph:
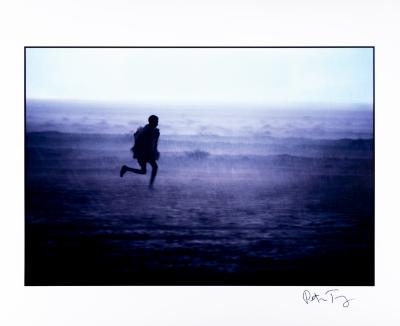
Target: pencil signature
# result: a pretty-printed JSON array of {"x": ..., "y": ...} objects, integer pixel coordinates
[{"x": 330, "y": 296}]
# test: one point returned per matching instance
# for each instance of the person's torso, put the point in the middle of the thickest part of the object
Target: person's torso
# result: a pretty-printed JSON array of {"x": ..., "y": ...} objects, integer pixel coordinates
[{"x": 146, "y": 142}]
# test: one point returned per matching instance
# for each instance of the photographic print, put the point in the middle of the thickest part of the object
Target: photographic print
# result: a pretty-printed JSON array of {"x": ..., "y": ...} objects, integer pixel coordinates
[{"x": 199, "y": 166}]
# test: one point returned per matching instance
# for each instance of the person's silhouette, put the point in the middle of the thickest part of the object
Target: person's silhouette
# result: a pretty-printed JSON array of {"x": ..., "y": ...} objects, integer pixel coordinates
[{"x": 145, "y": 149}]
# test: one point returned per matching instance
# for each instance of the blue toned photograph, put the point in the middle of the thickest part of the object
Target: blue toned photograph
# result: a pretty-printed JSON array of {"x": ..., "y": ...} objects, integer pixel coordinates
[{"x": 199, "y": 166}]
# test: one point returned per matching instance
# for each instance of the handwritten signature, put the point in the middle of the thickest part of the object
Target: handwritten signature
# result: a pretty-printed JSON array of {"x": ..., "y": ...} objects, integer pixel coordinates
[{"x": 330, "y": 296}]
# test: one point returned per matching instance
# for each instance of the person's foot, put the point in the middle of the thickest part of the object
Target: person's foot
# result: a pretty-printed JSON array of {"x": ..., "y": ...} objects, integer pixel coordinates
[{"x": 122, "y": 171}]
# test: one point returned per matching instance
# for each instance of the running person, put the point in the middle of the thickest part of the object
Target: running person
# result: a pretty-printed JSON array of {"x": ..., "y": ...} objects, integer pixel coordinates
[{"x": 145, "y": 149}]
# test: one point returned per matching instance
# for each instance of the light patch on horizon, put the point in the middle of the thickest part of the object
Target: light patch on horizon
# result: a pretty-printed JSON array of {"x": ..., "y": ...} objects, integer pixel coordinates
[{"x": 259, "y": 76}]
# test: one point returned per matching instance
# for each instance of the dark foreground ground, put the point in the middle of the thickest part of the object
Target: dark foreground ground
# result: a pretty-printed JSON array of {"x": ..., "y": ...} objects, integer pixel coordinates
[{"x": 216, "y": 220}]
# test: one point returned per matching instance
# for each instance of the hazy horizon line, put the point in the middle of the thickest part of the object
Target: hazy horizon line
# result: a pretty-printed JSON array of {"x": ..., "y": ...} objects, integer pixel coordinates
[{"x": 359, "y": 106}]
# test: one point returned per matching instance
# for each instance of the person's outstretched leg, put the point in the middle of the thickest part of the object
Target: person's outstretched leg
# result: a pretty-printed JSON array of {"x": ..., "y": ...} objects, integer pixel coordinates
[
  {"x": 142, "y": 169},
  {"x": 154, "y": 168}
]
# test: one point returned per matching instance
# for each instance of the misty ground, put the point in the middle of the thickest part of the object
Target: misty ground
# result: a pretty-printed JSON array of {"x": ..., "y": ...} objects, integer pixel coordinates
[{"x": 279, "y": 218}]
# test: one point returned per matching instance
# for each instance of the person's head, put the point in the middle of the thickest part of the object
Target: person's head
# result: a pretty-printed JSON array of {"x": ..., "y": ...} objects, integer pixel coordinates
[{"x": 153, "y": 121}]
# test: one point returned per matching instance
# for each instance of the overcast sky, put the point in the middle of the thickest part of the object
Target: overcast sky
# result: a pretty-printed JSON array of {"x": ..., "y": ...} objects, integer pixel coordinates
[{"x": 217, "y": 76}]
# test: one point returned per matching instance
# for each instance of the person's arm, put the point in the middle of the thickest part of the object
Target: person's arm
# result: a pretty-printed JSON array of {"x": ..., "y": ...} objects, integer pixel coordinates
[{"x": 156, "y": 136}]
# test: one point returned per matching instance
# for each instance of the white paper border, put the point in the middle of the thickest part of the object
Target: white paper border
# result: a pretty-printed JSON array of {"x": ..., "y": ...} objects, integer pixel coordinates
[{"x": 205, "y": 23}]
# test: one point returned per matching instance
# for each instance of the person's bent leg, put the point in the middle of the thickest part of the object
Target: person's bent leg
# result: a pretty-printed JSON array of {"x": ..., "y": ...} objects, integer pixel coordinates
[
  {"x": 126, "y": 168},
  {"x": 154, "y": 168}
]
